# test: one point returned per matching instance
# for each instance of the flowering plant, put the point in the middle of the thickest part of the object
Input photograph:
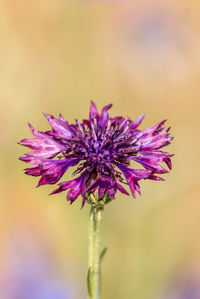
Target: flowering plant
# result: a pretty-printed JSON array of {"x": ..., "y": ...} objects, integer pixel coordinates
[{"x": 102, "y": 149}]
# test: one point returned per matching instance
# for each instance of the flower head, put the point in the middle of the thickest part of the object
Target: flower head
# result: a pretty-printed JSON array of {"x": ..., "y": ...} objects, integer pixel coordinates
[{"x": 102, "y": 149}]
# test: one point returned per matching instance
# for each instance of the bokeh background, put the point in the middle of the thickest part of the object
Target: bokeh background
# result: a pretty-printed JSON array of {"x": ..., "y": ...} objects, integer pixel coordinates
[{"x": 142, "y": 56}]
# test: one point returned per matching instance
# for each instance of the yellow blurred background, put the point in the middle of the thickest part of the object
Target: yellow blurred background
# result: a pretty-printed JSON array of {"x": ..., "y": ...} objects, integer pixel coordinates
[{"x": 142, "y": 56}]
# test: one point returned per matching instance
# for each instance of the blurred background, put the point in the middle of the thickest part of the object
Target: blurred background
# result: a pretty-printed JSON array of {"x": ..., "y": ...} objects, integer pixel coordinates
[{"x": 142, "y": 56}]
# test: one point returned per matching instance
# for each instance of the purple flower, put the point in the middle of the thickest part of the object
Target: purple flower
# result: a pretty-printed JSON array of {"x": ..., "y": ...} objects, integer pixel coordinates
[{"x": 102, "y": 149}]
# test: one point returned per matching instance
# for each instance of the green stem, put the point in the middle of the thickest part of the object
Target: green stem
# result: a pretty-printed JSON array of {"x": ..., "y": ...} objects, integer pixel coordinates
[{"x": 94, "y": 253}]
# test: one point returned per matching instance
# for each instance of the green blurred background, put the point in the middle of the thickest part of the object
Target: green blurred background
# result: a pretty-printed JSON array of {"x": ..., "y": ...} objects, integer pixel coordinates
[{"x": 142, "y": 56}]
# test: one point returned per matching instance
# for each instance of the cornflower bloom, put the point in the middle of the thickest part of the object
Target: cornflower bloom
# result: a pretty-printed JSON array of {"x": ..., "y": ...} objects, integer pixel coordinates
[{"x": 102, "y": 148}]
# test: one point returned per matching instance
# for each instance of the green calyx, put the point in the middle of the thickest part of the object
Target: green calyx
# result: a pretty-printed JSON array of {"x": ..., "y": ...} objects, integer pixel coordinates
[{"x": 99, "y": 203}]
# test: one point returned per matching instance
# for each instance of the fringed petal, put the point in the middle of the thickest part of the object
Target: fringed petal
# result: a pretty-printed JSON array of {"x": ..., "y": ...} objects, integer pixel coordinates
[
  {"x": 60, "y": 128},
  {"x": 76, "y": 187}
]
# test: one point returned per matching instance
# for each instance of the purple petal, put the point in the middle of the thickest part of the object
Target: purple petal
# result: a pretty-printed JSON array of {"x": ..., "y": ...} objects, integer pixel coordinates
[
  {"x": 151, "y": 163},
  {"x": 34, "y": 171},
  {"x": 97, "y": 183},
  {"x": 104, "y": 117},
  {"x": 76, "y": 186},
  {"x": 169, "y": 163},
  {"x": 53, "y": 170},
  {"x": 137, "y": 174},
  {"x": 36, "y": 156},
  {"x": 156, "y": 143},
  {"x": 60, "y": 127},
  {"x": 62, "y": 119},
  {"x": 111, "y": 192},
  {"x": 93, "y": 111},
  {"x": 155, "y": 178},
  {"x": 105, "y": 109},
  {"x": 137, "y": 187},
  {"x": 132, "y": 176},
  {"x": 155, "y": 153},
  {"x": 44, "y": 146},
  {"x": 116, "y": 119},
  {"x": 137, "y": 122},
  {"x": 148, "y": 132},
  {"x": 101, "y": 191},
  {"x": 120, "y": 188},
  {"x": 106, "y": 183}
]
